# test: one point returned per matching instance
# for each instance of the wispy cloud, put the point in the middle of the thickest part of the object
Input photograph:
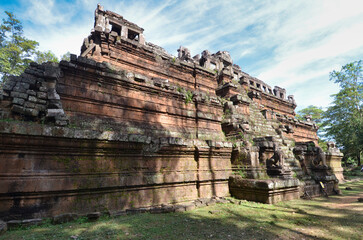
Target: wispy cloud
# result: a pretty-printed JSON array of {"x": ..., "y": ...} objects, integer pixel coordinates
[{"x": 294, "y": 44}]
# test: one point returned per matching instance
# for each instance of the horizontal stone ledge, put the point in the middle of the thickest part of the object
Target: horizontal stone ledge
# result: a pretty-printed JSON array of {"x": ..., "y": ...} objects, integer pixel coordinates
[
  {"x": 35, "y": 129},
  {"x": 104, "y": 190},
  {"x": 268, "y": 184}
]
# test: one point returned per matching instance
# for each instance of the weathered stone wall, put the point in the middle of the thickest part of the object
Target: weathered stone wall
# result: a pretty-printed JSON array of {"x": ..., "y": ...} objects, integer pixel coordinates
[
  {"x": 127, "y": 125},
  {"x": 48, "y": 170},
  {"x": 130, "y": 141}
]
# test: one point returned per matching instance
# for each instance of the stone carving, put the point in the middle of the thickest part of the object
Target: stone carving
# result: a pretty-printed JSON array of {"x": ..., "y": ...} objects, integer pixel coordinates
[
  {"x": 308, "y": 118},
  {"x": 280, "y": 92},
  {"x": 277, "y": 160},
  {"x": 184, "y": 54},
  {"x": 320, "y": 159},
  {"x": 291, "y": 99},
  {"x": 289, "y": 128},
  {"x": 101, "y": 21}
]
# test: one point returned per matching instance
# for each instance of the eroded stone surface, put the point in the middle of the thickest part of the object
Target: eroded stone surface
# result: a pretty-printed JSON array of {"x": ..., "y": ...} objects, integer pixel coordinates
[{"x": 130, "y": 128}]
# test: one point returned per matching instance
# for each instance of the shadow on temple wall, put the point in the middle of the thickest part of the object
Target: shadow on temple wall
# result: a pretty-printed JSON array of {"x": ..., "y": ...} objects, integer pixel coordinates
[{"x": 133, "y": 172}]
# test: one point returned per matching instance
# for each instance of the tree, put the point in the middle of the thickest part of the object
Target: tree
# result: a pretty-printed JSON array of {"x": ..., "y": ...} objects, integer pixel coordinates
[
  {"x": 344, "y": 119},
  {"x": 46, "y": 56},
  {"x": 66, "y": 56},
  {"x": 15, "y": 49},
  {"x": 316, "y": 114}
]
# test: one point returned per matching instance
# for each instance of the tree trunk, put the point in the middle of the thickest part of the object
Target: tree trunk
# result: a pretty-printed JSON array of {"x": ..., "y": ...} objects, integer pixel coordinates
[{"x": 359, "y": 153}]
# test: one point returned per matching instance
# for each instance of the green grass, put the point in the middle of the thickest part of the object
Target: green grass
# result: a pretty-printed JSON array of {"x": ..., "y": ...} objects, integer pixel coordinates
[
  {"x": 336, "y": 217},
  {"x": 353, "y": 173}
]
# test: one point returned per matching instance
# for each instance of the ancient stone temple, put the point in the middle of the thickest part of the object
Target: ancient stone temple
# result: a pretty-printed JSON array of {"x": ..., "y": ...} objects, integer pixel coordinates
[{"x": 126, "y": 125}]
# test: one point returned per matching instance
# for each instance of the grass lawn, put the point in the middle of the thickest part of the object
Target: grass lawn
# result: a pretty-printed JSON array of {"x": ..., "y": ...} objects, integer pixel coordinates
[{"x": 336, "y": 217}]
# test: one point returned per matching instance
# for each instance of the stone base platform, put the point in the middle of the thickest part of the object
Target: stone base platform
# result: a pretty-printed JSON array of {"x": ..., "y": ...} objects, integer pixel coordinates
[
  {"x": 310, "y": 190},
  {"x": 265, "y": 191}
]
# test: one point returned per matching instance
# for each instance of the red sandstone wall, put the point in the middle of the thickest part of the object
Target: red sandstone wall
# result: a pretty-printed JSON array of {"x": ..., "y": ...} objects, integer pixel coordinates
[
  {"x": 48, "y": 170},
  {"x": 305, "y": 134},
  {"x": 86, "y": 94},
  {"x": 118, "y": 151}
]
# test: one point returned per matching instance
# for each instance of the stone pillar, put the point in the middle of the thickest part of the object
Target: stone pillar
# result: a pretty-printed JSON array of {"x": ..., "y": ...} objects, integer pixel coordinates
[
  {"x": 142, "y": 39},
  {"x": 124, "y": 31},
  {"x": 334, "y": 161}
]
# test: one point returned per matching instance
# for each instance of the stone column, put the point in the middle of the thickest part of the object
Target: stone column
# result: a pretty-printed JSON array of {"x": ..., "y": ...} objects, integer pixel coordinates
[{"x": 334, "y": 161}]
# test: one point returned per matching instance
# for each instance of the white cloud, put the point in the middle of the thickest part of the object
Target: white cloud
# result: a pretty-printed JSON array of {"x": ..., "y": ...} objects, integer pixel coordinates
[
  {"x": 294, "y": 44},
  {"x": 46, "y": 12}
]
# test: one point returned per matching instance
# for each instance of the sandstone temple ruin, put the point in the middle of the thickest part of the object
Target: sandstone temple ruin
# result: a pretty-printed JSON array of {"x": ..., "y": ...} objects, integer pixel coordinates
[{"x": 126, "y": 125}]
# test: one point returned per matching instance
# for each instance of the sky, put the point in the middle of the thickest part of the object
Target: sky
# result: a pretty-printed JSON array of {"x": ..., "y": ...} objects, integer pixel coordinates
[{"x": 293, "y": 44}]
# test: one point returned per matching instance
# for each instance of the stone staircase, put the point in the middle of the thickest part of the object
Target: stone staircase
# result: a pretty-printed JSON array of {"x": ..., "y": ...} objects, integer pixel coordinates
[{"x": 261, "y": 127}]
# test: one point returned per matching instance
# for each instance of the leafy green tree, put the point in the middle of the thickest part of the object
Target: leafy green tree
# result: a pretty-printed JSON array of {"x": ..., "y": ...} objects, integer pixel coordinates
[
  {"x": 46, "y": 56},
  {"x": 66, "y": 56},
  {"x": 316, "y": 114},
  {"x": 15, "y": 49},
  {"x": 344, "y": 119}
]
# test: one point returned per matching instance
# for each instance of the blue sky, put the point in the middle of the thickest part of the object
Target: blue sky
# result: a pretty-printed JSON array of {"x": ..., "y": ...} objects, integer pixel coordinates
[{"x": 293, "y": 44}]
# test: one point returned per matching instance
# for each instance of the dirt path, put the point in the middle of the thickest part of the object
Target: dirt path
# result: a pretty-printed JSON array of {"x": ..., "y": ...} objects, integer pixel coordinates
[{"x": 350, "y": 199}]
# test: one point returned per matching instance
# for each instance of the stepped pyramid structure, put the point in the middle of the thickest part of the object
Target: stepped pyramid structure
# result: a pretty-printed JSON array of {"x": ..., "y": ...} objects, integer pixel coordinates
[{"x": 126, "y": 126}]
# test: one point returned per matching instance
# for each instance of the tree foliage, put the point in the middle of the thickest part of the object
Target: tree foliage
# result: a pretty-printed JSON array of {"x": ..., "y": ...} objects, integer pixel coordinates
[
  {"x": 316, "y": 114},
  {"x": 46, "y": 56},
  {"x": 343, "y": 121},
  {"x": 15, "y": 49},
  {"x": 66, "y": 56}
]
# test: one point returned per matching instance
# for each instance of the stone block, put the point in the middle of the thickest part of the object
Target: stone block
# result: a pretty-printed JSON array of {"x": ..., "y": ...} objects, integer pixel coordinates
[
  {"x": 29, "y": 80},
  {"x": 52, "y": 95},
  {"x": 93, "y": 216},
  {"x": 179, "y": 208},
  {"x": 51, "y": 71},
  {"x": 31, "y": 222},
  {"x": 21, "y": 87},
  {"x": 73, "y": 58},
  {"x": 19, "y": 95},
  {"x": 43, "y": 89},
  {"x": 40, "y": 101},
  {"x": 54, "y": 112},
  {"x": 140, "y": 78},
  {"x": 12, "y": 224},
  {"x": 32, "y": 99},
  {"x": 63, "y": 218},
  {"x": 31, "y": 92},
  {"x": 9, "y": 85},
  {"x": 18, "y": 101},
  {"x": 39, "y": 107},
  {"x": 162, "y": 209},
  {"x": 31, "y": 112},
  {"x": 190, "y": 207},
  {"x": 42, "y": 95},
  {"x": 137, "y": 210},
  {"x": 17, "y": 109},
  {"x": 3, "y": 227}
]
